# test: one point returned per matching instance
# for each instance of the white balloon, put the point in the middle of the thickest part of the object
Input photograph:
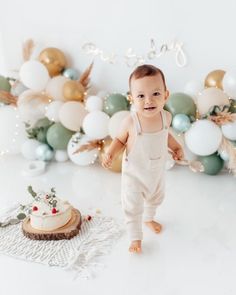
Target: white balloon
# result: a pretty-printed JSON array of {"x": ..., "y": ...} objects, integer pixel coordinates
[
  {"x": 61, "y": 156},
  {"x": 12, "y": 130},
  {"x": 72, "y": 114},
  {"x": 209, "y": 97},
  {"x": 94, "y": 103},
  {"x": 83, "y": 158},
  {"x": 229, "y": 130},
  {"x": 193, "y": 88},
  {"x": 52, "y": 112},
  {"x": 95, "y": 124},
  {"x": 28, "y": 149},
  {"x": 55, "y": 87},
  {"x": 115, "y": 122},
  {"x": 229, "y": 83},
  {"x": 34, "y": 75},
  {"x": 203, "y": 138}
]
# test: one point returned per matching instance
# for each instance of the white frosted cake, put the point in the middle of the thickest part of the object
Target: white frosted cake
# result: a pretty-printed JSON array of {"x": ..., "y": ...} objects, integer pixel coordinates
[{"x": 48, "y": 212}]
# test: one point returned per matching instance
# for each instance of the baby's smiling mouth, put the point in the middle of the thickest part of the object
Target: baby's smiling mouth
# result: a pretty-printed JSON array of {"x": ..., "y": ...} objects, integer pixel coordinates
[{"x": 149, "y": 108}]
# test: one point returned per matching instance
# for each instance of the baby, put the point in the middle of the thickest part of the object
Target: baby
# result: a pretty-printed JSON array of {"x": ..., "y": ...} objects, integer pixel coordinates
[{"x": 144, "y": 133}]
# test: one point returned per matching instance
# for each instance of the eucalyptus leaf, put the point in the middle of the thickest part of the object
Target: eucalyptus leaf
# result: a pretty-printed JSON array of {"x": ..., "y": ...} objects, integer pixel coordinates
[
  {"x": 14, "y": 221},
  {"x": 21, "y": 216}
]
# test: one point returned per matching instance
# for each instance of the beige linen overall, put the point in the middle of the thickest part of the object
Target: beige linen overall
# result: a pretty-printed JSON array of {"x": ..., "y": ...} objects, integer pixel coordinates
[{"x": 143, "y": 176}]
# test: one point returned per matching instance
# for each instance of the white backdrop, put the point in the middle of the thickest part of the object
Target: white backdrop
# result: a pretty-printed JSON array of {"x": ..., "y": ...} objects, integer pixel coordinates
[{"x": 207, "y": 29}]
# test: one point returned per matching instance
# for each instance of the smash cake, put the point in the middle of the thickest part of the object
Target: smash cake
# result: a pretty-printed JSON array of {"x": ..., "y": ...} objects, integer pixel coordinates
[{"x": 50, "y": 217}]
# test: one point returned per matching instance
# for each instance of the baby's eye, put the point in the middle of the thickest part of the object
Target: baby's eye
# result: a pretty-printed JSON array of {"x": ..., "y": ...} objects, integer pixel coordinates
[
  {"x": 140, "y": 96},
  {"x": 157, "y": 93}
]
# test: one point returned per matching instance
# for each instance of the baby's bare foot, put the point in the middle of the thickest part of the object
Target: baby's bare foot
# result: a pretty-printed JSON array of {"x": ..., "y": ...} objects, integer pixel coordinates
[
  {"x": 154, "y": 226},
  {"x": 135, "y": 247}
]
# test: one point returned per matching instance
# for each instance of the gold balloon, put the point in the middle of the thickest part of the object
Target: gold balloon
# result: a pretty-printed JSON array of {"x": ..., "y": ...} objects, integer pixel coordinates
[
  {"x": 214, "y": 79},
  {"x": 117, "y": 163},
  {"x": 73, "y": 90},
  {"x": 54, "y": 60}
]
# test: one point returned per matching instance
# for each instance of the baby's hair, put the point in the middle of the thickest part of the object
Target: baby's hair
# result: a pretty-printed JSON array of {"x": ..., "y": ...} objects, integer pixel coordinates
[{"x": 146, "y": 70}]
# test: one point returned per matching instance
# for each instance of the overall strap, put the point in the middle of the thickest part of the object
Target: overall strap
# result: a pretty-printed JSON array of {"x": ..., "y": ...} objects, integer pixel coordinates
[
  {"x": 136, "y": 123},
  {"x": 163, "y": 116}
]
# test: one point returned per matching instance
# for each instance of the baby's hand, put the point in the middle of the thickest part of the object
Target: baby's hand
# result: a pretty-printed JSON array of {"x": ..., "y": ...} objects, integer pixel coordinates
[
  {"x": 107, "y": 161},
  {"x": 178, "y": 154}
]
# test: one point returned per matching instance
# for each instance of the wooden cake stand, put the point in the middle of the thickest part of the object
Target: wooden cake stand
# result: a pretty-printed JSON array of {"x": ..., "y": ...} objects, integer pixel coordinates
[{"x": 67, "y": 232}]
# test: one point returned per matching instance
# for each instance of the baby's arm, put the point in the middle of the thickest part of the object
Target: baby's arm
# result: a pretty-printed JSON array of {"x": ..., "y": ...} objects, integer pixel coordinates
[
  {"x": 173, "y": 145},
  {"x": 118, "y": 143}
]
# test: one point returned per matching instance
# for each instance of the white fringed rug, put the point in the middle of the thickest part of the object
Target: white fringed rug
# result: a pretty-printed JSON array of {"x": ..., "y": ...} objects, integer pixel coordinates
[{"x": 80, "y": 254}]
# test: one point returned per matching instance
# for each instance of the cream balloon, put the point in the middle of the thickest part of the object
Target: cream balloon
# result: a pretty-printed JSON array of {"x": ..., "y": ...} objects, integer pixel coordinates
[
  {"x": 229, "y": 130},
  {"x": 72, "y": 114},
  {"x": 209, "y": 97},
  {"x": 34, "y": 75},
  {"x": 52, "y": 112},
  {"x": 203, "y": 138},
  {"x": 12, "y": 130},
  {"x": 115, "y": 122},
  {"x": 54, "y": 87},
  {"x": 94, "y": 103},
  {"x": 95, "y": 124}
]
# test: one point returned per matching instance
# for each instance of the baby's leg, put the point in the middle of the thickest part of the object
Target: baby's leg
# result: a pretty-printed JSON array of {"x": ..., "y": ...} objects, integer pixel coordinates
[
  {"x": 132, "y": 203},
  {"x": 151, "y": 204}
]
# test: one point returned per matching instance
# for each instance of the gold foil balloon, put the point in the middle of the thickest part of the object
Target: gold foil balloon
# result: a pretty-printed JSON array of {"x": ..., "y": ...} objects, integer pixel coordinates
[
  {"x": 73, "y": 90},
  {"x": 54, "y": 60},
  {"x": 117, "y": 163},
  {"x": 214, "y": 79}
]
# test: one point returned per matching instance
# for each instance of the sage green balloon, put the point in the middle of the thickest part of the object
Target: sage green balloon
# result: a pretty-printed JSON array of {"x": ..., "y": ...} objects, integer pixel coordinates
[
  {"x": 4, "y": 84},
  {"x": 58, "y": 136},
  {"x": 181, "y": 103},
  {"x": 114, "y": 103},
  {"x": 213, "y": 164},
  {"x": 43, "y": 123},
  {"x": 232, "y": 108}
]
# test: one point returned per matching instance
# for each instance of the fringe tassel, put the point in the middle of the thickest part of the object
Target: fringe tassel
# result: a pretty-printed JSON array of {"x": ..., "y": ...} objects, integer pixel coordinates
[{"x": 97, "y": 244}]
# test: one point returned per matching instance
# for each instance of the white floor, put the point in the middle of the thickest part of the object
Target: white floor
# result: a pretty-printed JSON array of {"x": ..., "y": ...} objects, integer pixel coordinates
[{"x": 195, "y": 253}]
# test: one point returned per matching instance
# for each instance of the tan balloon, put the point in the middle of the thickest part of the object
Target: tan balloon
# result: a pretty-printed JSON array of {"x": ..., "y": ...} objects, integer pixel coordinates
[
  {"x": 73, "y": 90},
  {"x": 54, "y": 60},
  {"x": 214, "y": 79},
  {"x": 209, "y": 97},
  {"x": 117, "y": 163}
]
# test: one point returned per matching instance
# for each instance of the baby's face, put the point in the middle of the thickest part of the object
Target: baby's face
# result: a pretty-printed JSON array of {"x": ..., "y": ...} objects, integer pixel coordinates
[{"x": 148, "y": 95}]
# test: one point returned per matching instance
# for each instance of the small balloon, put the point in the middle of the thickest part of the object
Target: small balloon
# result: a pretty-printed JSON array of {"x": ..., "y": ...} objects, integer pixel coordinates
[
  {"x": 214, "y": 79},
  {"x": 55, "y": 86},
  {"x": 71, "y": 73},
  {"x": 181, "y": 103},
  {"x": 84, "y": 157},
  {"x": 54, "y": 60},
  {"x": 213, "y": 164},
  {"x": 95, "y": 124},
  {"x": 34, "y": 75},
  {"x": 73, "y": 90},
  {"x": 114, "y": 103},
  {"x": 58, "y": 136},
  {"x": 210, "y": 97},
  {"x": 94, "y": 103},
  {"x": 181, "y": 123}
]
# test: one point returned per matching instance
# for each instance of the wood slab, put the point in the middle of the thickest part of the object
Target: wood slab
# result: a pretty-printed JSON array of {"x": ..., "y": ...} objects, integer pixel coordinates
[{"x": 67, "y": 232}]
